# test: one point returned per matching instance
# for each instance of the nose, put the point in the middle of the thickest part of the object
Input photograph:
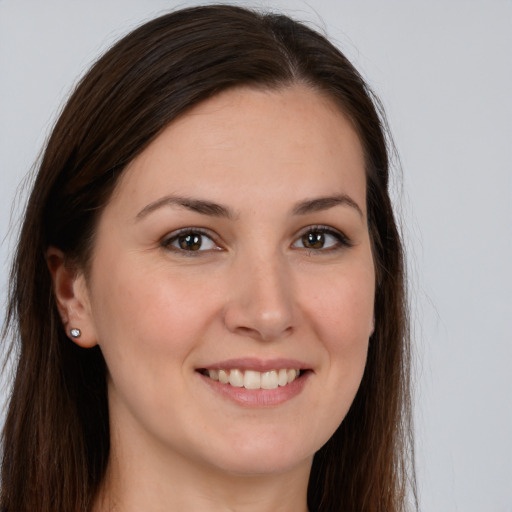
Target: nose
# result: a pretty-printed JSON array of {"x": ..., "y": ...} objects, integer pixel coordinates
[{"x": 261, "y": 301}]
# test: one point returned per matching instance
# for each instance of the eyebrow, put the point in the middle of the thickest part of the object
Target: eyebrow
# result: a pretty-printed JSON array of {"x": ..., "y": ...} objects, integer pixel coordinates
[
  {"x": 196, "y": 205},
  {"x": 210, "y": 208},
  {"x": 324, "y": 203}
]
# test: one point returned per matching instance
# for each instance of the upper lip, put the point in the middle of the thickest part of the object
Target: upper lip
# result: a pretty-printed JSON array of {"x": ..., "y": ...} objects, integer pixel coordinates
[{"x": 255, "y": 364}]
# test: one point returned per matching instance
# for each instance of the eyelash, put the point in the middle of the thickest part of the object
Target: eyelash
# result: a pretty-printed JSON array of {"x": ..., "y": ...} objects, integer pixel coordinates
[
  {"x": 167, "y": 242},
  {"x": 342, "y": 241}
]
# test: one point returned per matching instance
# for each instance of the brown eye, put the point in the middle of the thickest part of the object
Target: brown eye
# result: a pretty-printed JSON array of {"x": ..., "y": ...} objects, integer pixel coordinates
[
  {"x": 190, "y": 242},
  {"x": 313, "y": 240},
  {"x": 322, "y": 238}
]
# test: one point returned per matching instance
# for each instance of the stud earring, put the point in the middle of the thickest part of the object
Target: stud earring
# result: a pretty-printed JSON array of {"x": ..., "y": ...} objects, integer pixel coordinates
[{"x": 75, "y": 333}]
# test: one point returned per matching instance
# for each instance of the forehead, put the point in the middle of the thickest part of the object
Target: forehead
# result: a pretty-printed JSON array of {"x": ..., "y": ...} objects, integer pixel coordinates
[{"x": 252, "y": 140}]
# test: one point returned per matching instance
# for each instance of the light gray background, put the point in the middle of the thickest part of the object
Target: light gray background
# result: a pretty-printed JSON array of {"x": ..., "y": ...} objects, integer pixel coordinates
[{"x": 444, "y": 72}]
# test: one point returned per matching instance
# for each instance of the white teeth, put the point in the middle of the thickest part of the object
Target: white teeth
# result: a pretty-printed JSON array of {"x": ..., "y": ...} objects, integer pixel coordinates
[
  {"x": 236, "y": 378},
  {"x": 269, "y": 380},
  {"x": 292, "y": 375},
  {"x": 251, "y": 379}
]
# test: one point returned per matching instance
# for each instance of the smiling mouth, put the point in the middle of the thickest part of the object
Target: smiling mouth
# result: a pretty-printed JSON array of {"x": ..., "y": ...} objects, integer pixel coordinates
[{"x": 251, "y": 379}]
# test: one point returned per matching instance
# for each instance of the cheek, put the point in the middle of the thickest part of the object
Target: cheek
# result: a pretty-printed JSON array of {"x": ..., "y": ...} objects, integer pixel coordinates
[
  {"x": 343, "y": 322},
  {"x": 148, "y": 322},
  {"x": 344, "y": 308},
  {"x": 141, "y": 314}
]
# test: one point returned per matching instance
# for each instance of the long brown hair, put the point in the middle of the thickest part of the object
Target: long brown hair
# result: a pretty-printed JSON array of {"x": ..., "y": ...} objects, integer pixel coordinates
[{"x": 56, "y": 436}]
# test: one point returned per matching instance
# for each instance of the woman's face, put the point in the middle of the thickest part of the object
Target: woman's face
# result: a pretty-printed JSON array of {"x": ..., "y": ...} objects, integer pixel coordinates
[{"x": 236, "y": 247}]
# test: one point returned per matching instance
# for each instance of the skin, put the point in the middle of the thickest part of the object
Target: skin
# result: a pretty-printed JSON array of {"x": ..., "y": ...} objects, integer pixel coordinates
[{"x": 255, "y": 289}]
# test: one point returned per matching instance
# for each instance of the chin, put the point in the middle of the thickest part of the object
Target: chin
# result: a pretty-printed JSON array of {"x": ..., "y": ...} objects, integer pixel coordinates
[
  {"x": 259, "y": 466},
  {"x": 265, "y": 456}
]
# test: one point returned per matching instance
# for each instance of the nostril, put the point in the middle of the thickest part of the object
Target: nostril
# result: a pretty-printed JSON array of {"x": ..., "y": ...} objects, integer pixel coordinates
[{"x": 261, "y": 327}]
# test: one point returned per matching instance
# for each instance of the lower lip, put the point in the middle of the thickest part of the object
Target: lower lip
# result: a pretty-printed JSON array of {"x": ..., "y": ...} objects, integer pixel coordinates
[{"x": 258, "y": 397}]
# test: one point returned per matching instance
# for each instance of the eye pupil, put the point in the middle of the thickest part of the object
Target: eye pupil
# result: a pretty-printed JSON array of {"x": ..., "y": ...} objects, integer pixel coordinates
[
  {"x": 313, "y": 240},
  {"x": 190, "y": 242}
]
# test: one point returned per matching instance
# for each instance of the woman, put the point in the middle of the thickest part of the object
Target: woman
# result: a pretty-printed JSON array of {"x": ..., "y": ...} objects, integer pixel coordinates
[{"x": 209, "y": 285}]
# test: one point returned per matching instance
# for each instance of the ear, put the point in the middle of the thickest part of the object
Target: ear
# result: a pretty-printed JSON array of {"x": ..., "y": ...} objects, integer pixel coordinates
[{"x": 72, "y": 297}]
